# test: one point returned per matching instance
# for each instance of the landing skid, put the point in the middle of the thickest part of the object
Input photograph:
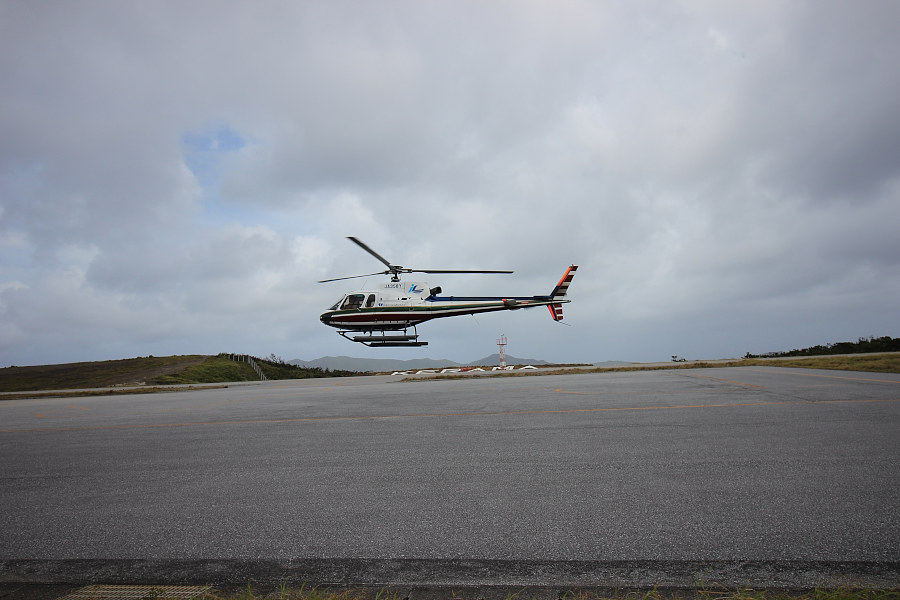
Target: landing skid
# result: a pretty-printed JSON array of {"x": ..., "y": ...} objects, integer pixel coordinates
[{"x": 384, "y": 340}]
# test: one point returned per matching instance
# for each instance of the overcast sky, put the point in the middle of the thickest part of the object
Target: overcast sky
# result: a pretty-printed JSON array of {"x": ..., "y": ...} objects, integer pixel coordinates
[{"x": 176, "y": 176}]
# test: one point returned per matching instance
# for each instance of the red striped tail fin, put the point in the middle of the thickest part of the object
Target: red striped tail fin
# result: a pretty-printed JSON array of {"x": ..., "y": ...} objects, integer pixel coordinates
[
  {"x": 559, "y": 292},
  {"x": 555, "y": 311},
  {"x": 562, "y": 287}
]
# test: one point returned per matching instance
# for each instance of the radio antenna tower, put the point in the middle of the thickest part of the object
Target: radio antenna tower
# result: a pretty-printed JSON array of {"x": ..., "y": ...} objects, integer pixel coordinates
[{"x": 501, "y": 341}]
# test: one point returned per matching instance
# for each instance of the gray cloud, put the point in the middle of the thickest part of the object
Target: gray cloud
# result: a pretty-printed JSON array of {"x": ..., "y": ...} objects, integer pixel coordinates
[{"x": 726, "y": 175}]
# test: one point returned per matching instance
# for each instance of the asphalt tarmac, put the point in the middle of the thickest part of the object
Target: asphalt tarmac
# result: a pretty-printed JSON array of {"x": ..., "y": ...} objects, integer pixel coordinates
[{"x": 775, "y": 477}]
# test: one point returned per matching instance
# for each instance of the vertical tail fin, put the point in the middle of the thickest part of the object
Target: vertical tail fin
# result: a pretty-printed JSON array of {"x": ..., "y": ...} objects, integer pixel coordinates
[
  {"x": 555, "y": 311},
  {"x": 559, "y": 292}
]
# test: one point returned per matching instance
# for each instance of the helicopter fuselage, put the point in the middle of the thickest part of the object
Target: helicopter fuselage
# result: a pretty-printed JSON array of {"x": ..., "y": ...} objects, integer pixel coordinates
[{"x": 399, "y": 305}]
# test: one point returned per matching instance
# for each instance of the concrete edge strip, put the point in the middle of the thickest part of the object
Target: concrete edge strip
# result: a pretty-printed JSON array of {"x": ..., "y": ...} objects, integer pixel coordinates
[
  {"x": 445, "y": 573},
  {"x": 137, "y": 592}
]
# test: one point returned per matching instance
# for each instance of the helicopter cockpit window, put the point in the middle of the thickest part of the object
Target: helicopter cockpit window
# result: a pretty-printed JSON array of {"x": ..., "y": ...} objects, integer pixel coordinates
[
  {"x": 353, "y": 301},
  {"x": 336, "y": 304},
  {"x": 370, "y": 302}
]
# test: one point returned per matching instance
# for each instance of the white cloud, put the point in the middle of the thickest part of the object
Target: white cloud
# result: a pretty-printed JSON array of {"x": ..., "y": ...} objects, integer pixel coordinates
[{"x": 175, "y": 177}]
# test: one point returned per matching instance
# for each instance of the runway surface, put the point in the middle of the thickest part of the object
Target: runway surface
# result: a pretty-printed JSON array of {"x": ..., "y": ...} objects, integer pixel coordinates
[{"x": 752, "y": 474}]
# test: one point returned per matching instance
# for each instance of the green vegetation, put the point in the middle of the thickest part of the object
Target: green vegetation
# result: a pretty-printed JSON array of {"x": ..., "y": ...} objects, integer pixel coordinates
[
  {"x": 275, "y": 368},
  {"x": 129, "y": 371},
  {"x": 198, "y": 369},
  {"x": 149, "y": 371},
  {"x": 212, "y": 370},
  {"x": 874, "y": 363},
  {"x": 861, "y": 346},
  {"x": 223, "y": 368}
]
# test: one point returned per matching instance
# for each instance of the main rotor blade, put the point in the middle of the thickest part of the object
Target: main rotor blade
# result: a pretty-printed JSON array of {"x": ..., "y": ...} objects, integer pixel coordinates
[
  {"x": 355, "y": 276},
  {"x": 455, "y": 271},
  {"x": 395, "y": 270},
  {"x": 370, "y": 251}
]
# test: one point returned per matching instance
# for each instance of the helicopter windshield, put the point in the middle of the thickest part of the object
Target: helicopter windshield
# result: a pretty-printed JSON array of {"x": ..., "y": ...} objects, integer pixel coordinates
[{"x": 353, "y": 301}]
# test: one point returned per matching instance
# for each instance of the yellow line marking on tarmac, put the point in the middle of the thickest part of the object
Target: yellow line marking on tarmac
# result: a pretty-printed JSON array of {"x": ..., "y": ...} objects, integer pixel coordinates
[{"x": 433, "y": 415}]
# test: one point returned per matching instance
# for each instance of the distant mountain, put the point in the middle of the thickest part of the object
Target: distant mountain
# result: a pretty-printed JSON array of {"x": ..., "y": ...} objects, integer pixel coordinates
[
  {"x": 494, "y": 359},
  {"x": 350, "y": 363}
]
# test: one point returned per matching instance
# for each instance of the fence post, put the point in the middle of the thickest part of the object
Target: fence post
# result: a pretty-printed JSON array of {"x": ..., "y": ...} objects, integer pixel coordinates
[
  {"x": 249, "y": 359},
  {"x": 262, "y": 376}
]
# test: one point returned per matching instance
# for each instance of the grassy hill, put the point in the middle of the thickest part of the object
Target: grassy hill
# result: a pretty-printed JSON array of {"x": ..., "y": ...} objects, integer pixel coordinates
[
  {"x": 150, "y": 370},
  {"x": 216, "y": 369},
  {"x": 192, "y": 369}
]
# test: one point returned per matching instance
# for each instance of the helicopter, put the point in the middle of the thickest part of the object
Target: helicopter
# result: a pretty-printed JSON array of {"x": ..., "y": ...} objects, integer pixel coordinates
[{"x": 395, "y": 306}]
